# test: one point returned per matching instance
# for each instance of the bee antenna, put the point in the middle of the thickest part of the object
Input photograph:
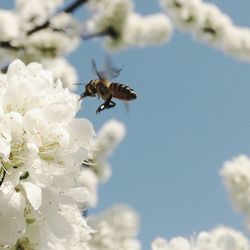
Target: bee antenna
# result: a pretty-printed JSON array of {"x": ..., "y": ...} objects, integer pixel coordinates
[
  {"x": 78, "y": 83},
  {"x": 110, "y": 69}
]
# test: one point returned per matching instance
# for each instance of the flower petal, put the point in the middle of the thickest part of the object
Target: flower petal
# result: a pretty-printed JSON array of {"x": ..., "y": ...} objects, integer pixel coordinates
[{"x": 34, "y": 194}]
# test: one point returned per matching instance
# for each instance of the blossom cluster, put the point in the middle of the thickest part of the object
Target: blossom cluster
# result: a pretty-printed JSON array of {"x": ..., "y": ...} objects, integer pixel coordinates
[
  {"x": 207, "y": 23},
  {"x": 42, "y": 147},
  {"x": 123, "y": 26},
  {"x": 96, "y": 169},
  {"x": 236, "y": 176},
  {"x": 61, "y": 37},
  {"x": 115, "y": 229},
  {"x": 220, "y": 238}
]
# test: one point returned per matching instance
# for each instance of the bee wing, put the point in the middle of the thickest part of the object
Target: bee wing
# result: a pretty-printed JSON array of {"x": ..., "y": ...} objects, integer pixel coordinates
[
  {"x": 95, "y": 71},
  {"x": 110, "y": 70}
]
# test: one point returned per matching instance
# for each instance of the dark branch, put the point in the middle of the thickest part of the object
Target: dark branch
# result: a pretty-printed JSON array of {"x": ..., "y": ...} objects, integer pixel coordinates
[
  {"x": 69, "y": 9},
  {"x": 110, "y": 31},
  {"x": 40, "y": 27},
  {"x": 72, "y": 7},
  {"x": 7, "y": 45},
  {"x": 4, "y": 69}
]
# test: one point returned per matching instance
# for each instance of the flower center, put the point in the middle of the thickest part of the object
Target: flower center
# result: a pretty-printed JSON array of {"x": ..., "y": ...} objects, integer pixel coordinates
[{"x": 15, "y": 160}]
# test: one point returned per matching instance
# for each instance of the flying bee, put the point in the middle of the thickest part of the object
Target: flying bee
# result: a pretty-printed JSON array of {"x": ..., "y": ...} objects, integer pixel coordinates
[{"x": 105, "y": 89}]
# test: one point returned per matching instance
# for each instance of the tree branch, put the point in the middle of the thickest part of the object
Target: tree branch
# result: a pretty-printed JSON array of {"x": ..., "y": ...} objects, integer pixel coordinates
[
  {"x": 109, "y": 31},
  {"x": 72, "y": 7},
  {"x": 7, "y": 45}
]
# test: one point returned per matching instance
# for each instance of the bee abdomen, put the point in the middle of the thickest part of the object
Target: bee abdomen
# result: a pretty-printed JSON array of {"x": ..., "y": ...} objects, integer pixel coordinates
[{"x": 122, "y": 91}]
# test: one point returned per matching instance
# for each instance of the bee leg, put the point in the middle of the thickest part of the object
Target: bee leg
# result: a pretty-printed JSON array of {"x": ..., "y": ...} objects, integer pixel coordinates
[
  {"x": 111, "y": 104},
  {"x": 106, "y": 105},
  {"x": 102, "y": 107}
]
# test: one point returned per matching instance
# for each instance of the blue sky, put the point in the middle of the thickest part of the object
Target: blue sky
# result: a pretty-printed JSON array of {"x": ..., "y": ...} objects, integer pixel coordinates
[{"x": 191, "y": 115}]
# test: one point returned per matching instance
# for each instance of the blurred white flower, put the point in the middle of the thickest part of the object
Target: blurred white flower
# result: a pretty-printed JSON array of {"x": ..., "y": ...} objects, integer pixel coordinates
[
  {"x": 220, "y": 238},
  {"x": 109, "y": 136},
  {"x": 63, "y": 70},
  {"x": 8, "y": 19},
  {"x": 112, "y": 20},
  {"x": 159, "y": 244},
  {"x": 147, "y": 30},
  {"x": 102, "y": 146},
  {"x": 179, "y": 243},
  {"x": 115, "y": 229},
  {"x": 239, "y": 43},
  {"x": 207, "y": 23},
  {"x": 89, "y": 179},
  {"x": 236, "y": 177},
  {"x": 33, "y": 12},
  {"x": 61, "y": 38},
  {"x": 187, "y": 16},
  {"x": 80, "y": 234},
  {"x": 123, "y": 27}
]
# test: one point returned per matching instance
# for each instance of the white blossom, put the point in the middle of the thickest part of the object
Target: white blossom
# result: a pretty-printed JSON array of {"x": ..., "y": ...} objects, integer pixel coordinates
[
  {"x": 89, "y": 179},
  {"x": 207, "y": 23},
  {"x": 48, "y": 43},
  {"x": 12, "y": 207},
  {"x": 113, "y": 18},
  {"x": 148, "y": 30},
  {"x": 42, "y": 148},
  {"x": 236, "y": 176},
  {"x": 80, "y": 235},
  {"x": 60, "y": 37},
  {"x": 220, "y": 238},
  {"x": 102, "y": 146},
  {"x": 115, "y": 229},
  {"x": 63, "y": 70},
  {"x": 159, "y": 244},
  {"x": 33, "y": 12},
  {"x": 123, "y": 26},
  {"x": 66, "y": 229},
  {"x": 143, "y": 31},
  {"x": 8, "y": 19}
]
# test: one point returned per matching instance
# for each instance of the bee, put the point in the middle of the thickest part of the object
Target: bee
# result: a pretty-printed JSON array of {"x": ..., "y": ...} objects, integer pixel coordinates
[{"x": 105, "y": 89}]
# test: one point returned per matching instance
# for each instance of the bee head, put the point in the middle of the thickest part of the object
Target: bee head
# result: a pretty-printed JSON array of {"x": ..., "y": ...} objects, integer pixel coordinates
[{"x": 90, "y": 90}]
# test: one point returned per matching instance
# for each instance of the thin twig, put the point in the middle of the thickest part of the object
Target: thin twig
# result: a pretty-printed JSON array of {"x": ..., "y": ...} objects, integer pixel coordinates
[
  {"x": 72, "y": 7},
  {"x": 110, "y": 31},
  {"x": 8, "y": 45}
]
